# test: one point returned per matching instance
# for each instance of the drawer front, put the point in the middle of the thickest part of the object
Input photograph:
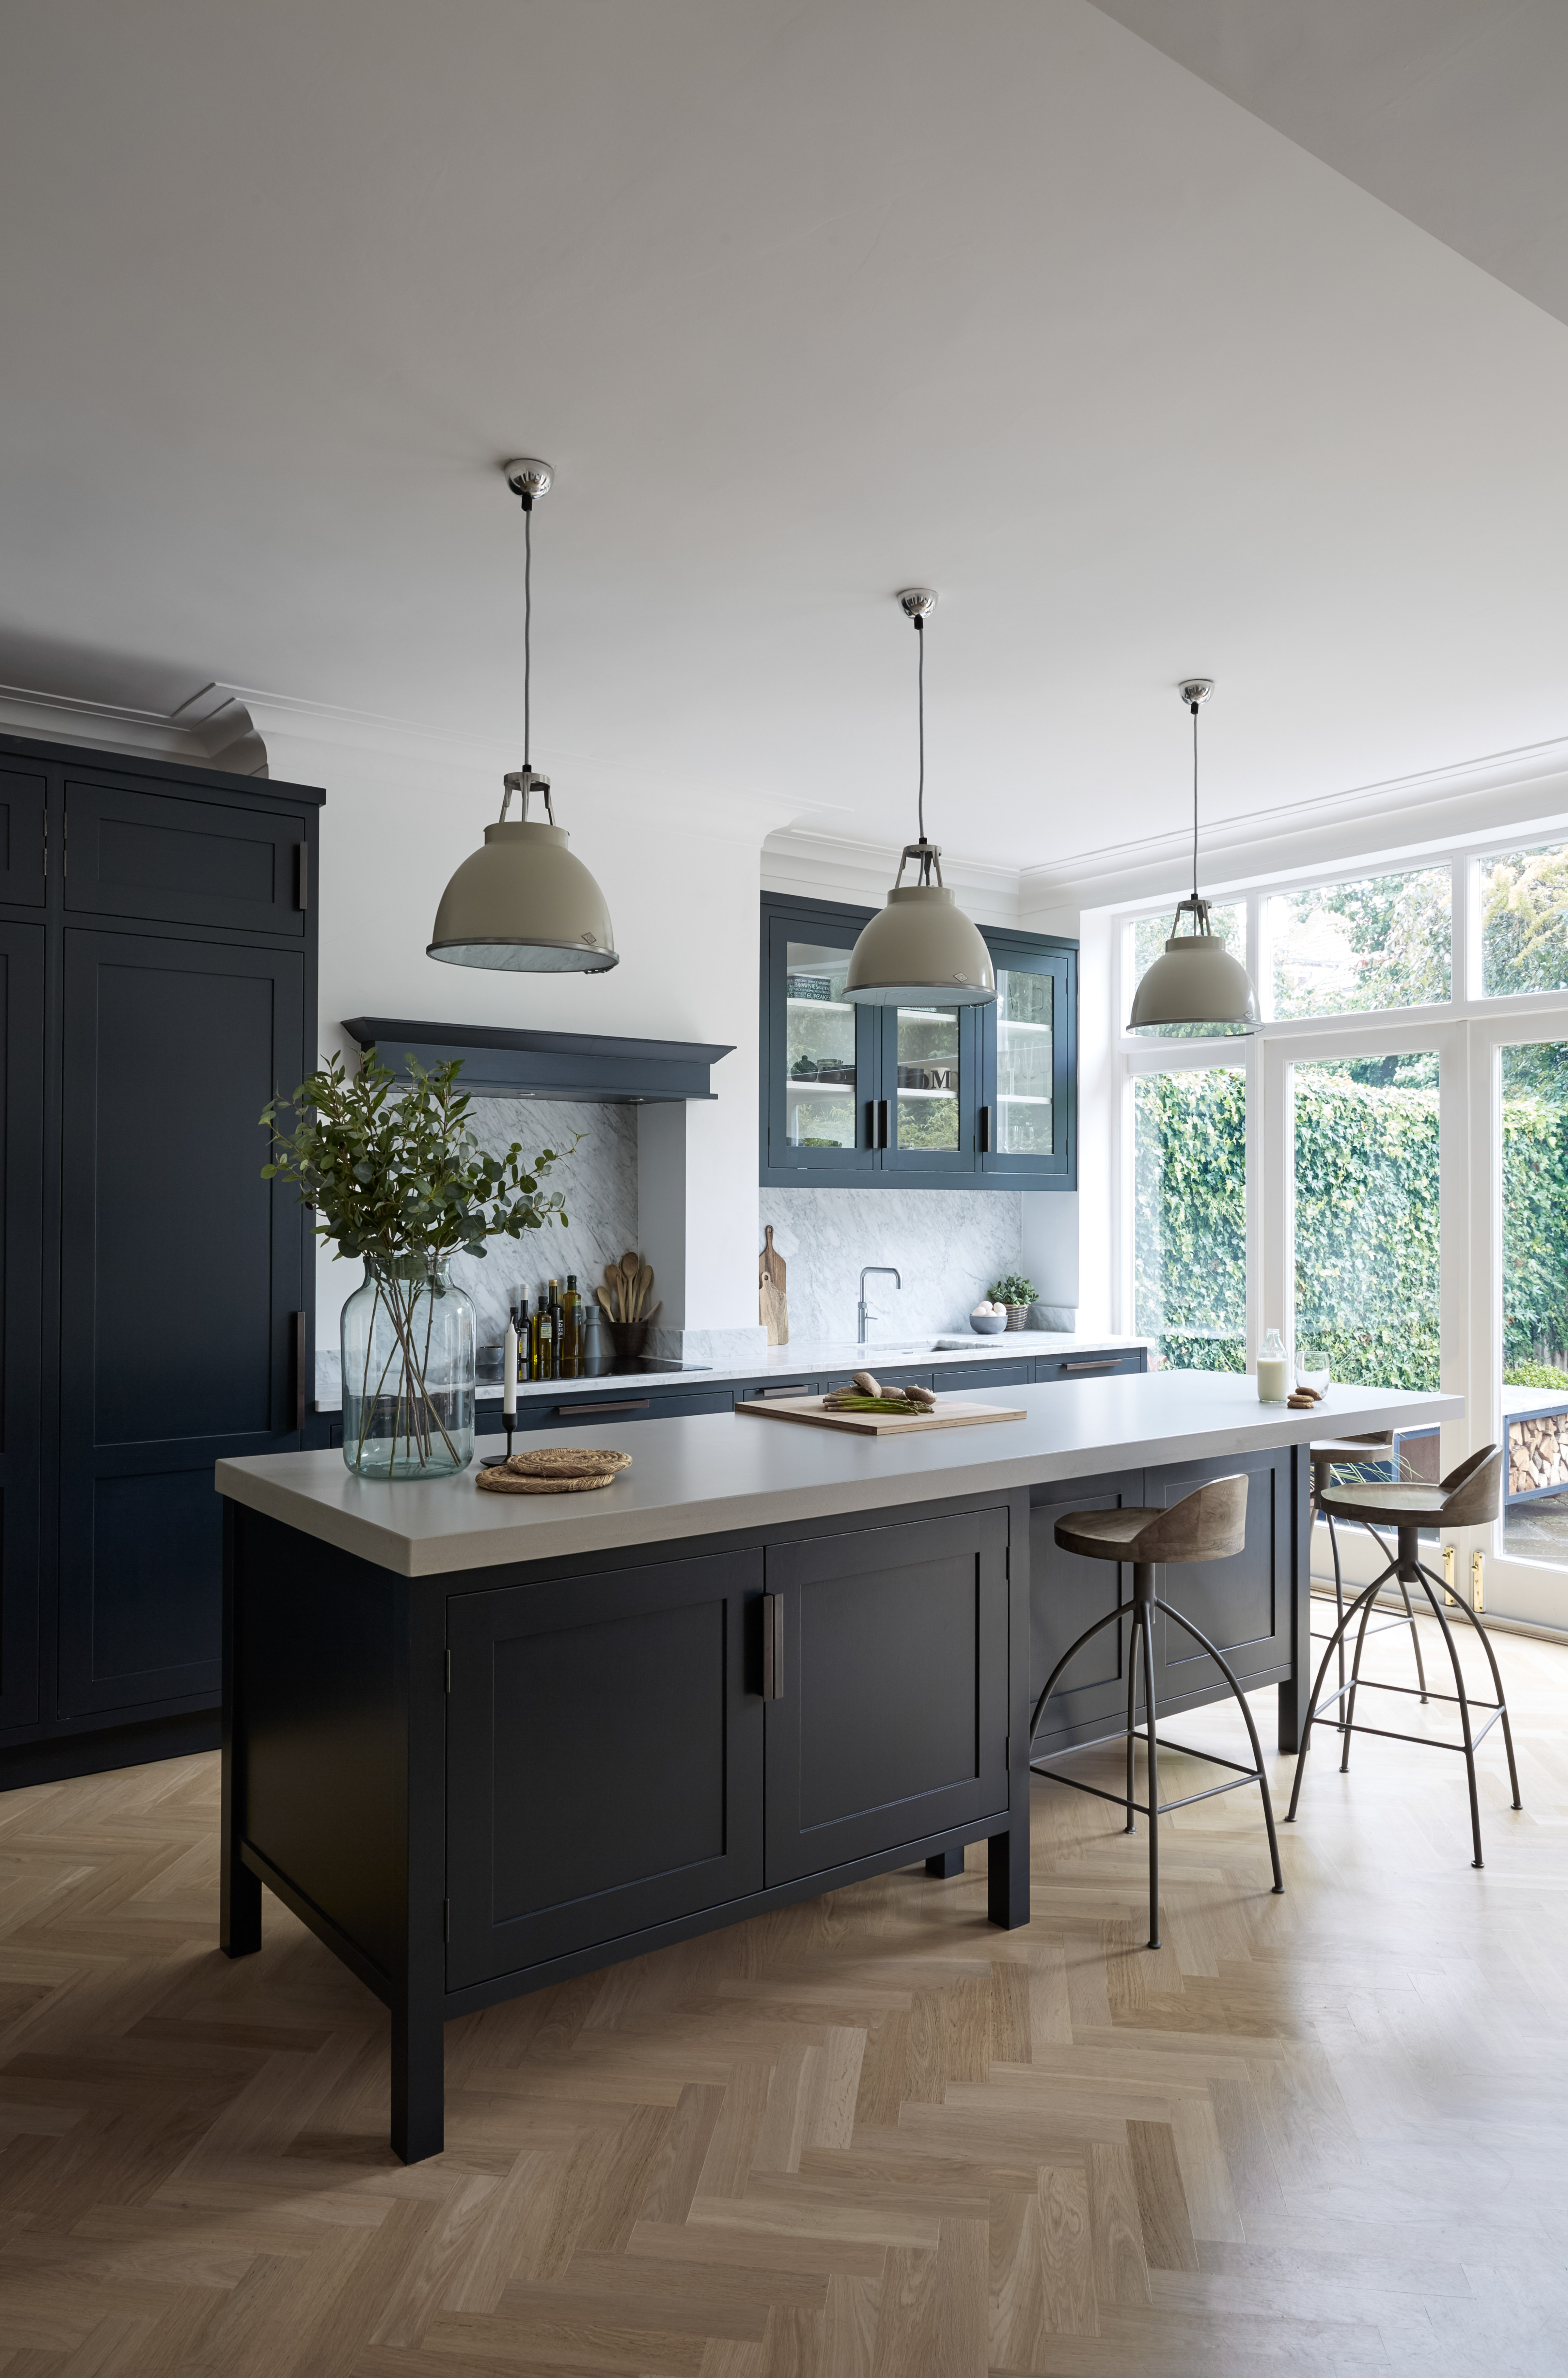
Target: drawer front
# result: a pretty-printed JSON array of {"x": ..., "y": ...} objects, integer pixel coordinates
[
  {"x": 884, "y": 1375},
  {"x": 583, "y": 1412},
  {"x": 972, "y": 1377},
  {"x": 1090, "y": 1366}
]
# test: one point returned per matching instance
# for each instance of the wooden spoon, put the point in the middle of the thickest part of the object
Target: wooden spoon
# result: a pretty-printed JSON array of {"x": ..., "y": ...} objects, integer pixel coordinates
[{"x": 644, "y": 1282}]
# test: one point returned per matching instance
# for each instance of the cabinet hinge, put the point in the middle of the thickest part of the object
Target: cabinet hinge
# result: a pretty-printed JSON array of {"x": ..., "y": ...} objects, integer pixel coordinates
[
  {"x": 449, "y": 1672},
  {"x": 445, "y": 1919}
]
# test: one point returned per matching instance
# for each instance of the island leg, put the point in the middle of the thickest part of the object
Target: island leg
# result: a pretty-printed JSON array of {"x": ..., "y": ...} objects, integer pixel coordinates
[
  {"x": 239, "y": 1905},
  {"x": 1007, "y": 1878},
  {"x": 945, "y": 1863},
  {"x": 418, "y": 2082}
]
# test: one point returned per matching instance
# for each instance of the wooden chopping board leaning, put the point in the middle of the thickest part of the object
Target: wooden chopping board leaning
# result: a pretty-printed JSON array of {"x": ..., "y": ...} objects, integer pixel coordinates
[{"x": 773, "y": 1305}]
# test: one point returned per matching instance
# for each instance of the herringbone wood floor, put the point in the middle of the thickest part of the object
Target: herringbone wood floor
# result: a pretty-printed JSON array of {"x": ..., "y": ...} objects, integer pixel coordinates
[{"x": 868, "y": 2138}]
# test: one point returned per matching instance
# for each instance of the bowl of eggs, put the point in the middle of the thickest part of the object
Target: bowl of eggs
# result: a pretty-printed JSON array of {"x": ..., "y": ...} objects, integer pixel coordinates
[{"x": 987, "y": 1320}]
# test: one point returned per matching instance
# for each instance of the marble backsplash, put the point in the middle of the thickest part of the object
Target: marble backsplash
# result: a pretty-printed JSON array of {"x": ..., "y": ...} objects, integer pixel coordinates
[
  {"x": 600, "y": 1183},
  {"x": 949, "y": 1245}
]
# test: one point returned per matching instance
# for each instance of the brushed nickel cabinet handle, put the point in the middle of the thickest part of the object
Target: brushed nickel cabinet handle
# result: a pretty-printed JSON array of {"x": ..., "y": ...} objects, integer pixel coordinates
[
  {"x": 1109, "y": 1365},
  {"x": 589, "y": 1407}
]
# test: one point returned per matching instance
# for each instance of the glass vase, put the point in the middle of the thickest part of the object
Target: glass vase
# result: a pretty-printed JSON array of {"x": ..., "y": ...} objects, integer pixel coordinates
[{"x": 408, "y": 1352}]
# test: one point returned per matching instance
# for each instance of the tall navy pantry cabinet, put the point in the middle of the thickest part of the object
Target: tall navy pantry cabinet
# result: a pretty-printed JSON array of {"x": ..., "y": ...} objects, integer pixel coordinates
[{"x": 157, "y": 984}]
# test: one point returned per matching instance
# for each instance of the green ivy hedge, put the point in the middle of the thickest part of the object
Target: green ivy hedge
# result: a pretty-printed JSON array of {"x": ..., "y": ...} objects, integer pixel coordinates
[{"x": 1366, "y": 1223}]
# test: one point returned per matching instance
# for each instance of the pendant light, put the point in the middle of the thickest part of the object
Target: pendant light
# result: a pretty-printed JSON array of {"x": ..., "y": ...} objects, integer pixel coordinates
[
  {"x": 1197, "y": 981},
  {"x": 524, "y": 905},
  {"x": 922, "y": 949}
]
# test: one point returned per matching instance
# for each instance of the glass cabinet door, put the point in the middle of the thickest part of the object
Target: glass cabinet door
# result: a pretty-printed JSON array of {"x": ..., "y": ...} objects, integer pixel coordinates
[
  {"x": 1025, "y": 1118},
  {"x": 820, "y": 1073},
  {"x": 926, "y": 1116}
]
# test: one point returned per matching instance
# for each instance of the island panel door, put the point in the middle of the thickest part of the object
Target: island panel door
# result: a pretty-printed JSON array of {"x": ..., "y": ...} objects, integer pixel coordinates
[
  {"x": 889, "y": 1717},
  {"x": 604, "y": 1759},
  {"x": 1242, "y": 1605},
  {"x": 21, "y": 1231}
]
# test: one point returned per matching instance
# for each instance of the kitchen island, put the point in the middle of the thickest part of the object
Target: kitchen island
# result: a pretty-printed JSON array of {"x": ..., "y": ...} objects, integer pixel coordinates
[{"x": 481, "y": 1742}]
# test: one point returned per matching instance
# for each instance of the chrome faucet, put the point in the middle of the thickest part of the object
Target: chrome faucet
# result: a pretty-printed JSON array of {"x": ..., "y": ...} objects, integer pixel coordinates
[{"x": 860, "y": 1310}]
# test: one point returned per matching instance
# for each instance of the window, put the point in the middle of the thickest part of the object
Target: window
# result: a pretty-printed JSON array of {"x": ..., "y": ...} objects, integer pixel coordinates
[
  {"x": 1341, "y": 949},
  {"x": 1366, "y": 1249},
  {"x": 1521, "y": 897},
  {"x": 1190, "y": 1217},
  {"x": 1534, "y": 1303},
  {"x": 1228, "y": 924}
]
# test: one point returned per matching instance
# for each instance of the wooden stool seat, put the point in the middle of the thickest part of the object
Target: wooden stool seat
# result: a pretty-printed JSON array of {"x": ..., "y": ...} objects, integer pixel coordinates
[
  {"x": 1467, "y": 1498},
  {"x": 1208, "y": 1524}
]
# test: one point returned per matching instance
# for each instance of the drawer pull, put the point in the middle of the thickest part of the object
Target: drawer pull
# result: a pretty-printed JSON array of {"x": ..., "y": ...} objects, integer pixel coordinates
[
  {"x": 590, "y": 1408},
  {"x": 772, "y": 1647},
  {"x": 1109, "y": 1364},
  {"x": 762, "y": 1394}
]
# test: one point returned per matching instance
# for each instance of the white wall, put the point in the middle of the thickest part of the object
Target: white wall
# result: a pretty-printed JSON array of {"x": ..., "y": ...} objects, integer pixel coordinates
[{"x": 682, "y": 893}]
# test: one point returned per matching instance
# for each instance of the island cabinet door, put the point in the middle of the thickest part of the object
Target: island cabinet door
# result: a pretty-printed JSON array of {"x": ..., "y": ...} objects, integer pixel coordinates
[
  {"x": 887, "y": 1719},
  {"x": 1067, "y": 1594},
  {"x": 1242, "y": 1605},
  {"x": 604, "y": 1759}
]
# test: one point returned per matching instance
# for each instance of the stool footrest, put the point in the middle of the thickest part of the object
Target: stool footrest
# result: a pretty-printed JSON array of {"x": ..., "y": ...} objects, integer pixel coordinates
[
  {"x": 1428, "y": 1741},
  {"x": 1121, "y": 1800}
]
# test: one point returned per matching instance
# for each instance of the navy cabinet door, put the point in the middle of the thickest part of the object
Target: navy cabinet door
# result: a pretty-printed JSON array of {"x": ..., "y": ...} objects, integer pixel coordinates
[
  {"x": 562, "y": 1837},
  {"x": 891, "y": 1721},
  {"x": 21, "y": 1188},
  {"x": 180, "y": 1271},
  {"x": 819, "y": 1057},
  {"x": 23, "y": 798},
  {"x": 929, "y": 1089},
  {"x": 182, "y": 862},
  {"x": 1066, "y": 1593},
  {"x": 1028, "y": 1123}
]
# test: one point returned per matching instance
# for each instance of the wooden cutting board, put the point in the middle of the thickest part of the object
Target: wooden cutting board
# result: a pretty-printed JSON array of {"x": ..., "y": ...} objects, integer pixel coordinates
[
  {"x": 950, "y": 1412},
  {"x": 773, "y": 1305}
]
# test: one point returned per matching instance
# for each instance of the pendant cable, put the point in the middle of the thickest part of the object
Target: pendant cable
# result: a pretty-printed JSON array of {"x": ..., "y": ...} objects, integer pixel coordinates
[
  {"x": 920, "y": 684},
  {"x": 1193, "y": 707},
  {"x": 528, "y": 626}
]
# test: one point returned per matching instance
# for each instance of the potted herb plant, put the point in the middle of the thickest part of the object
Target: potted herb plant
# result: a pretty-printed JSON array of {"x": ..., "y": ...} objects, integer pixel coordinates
[
  {"x": 396, "y": 1177},
  {"x": 1017, "y": 1293}
]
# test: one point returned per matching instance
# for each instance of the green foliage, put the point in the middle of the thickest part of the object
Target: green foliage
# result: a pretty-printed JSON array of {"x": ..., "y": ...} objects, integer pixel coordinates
[
  {"x": 1394, "y": 932},
  {"x": 401, "y": 1177},
  {"x": 1523, "y": 898},
  {"x": 1013, "y": 1290},
  {"x": 1367, "y": 1226},
  {"x": 928, "y": 1123},
  {"x": 1191, "y": 1230},
  {"x": 1536, "y": 1375}
]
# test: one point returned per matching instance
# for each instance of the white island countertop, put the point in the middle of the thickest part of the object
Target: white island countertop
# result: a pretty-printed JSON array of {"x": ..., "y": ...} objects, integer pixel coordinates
[{"x": 737, "y": 1471}]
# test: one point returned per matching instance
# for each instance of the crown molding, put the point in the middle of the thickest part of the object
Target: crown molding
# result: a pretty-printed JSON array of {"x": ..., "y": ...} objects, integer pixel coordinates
[
  {"x": 1471, "y": 801},
  {"x": 210, "y": 728}
]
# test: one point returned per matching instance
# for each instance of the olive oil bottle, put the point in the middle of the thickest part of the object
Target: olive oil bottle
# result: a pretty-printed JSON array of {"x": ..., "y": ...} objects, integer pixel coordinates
[{"x": 571, "y": 1330}]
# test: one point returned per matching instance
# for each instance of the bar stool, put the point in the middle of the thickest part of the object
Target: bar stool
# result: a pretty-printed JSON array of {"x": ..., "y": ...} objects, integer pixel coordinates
[
  {"x": 1327, "y": 1457},
  {"x": 1467, "y": 1498},
  {"x": 1208, "y": 1524}
]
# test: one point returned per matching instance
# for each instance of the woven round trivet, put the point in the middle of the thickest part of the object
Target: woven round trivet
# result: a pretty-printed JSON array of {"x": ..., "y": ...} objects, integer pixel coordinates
[{"x": 555, "y": 1470}]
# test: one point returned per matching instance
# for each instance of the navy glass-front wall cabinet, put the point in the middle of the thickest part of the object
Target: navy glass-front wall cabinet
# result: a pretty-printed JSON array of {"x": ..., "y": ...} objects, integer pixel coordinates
[{"x": 947, "y": 1097}]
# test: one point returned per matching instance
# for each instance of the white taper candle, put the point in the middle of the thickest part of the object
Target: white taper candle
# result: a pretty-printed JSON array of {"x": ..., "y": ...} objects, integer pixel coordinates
[{"x": 508, "y": 1368}]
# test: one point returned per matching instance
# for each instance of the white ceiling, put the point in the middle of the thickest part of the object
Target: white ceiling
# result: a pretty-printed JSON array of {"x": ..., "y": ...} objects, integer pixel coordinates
[{"x": 803, "y": 303}]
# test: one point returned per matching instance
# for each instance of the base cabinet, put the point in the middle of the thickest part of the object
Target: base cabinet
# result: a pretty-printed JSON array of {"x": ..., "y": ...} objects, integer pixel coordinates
[{"x": 1253, "y": 1606}]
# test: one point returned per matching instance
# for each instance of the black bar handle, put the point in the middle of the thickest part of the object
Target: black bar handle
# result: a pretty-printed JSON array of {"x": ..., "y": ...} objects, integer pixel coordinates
[
  {"x": 882, "y": 1122},
  {"x": 300, "y": 1355},
  {"x": 985, "y": 1131},
  {"x": 590, "y": 1407},
  {"x": 772, "y": 1647}
]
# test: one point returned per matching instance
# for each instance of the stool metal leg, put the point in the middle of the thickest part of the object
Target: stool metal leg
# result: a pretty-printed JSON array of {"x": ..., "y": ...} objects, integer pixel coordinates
[
  {"x": 1350, "y": 1712},
  {"x": 1464, "y": 1715},
  {"x": 1223, "y": 1665},
  {"x": 1143, "y": 1590},
  {"x": 1367, "y": 1595},
  {"x": 1338, "y": 1591},
  {"x": 1132, "y": 1714},
  {"x": 1474, "y": 1619}
]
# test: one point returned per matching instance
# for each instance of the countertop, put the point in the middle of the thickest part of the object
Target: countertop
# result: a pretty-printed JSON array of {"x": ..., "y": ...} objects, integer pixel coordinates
[
  {"x": 735, "y": 1470},
  {"x": 813, "y": 1359}
]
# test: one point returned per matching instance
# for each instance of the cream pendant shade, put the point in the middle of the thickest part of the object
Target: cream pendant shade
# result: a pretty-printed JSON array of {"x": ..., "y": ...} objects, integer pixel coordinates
[
  {"x": 921, "y": 948},
  {"x": 1197, "y": 981},
  {"x": 524, "y": 905}
]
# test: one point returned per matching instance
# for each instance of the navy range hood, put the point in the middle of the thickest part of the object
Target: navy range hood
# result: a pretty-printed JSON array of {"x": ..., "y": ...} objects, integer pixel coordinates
[{"x": 597, "y": 1068}]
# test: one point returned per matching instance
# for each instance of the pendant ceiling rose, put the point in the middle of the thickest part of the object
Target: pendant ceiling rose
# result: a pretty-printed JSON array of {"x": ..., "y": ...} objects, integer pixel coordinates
[
  {"x": 1197, "y": 983},
  {"x": 921, "y": 950},
  {"x": 525, "y": 904}
]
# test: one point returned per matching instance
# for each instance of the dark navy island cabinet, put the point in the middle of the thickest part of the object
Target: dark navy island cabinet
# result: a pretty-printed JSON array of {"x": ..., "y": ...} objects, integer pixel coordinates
[{"x": 157, "y": 984}]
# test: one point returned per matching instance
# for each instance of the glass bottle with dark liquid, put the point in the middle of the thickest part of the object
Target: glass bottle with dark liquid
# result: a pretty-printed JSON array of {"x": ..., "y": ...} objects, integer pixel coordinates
[{"x": 571, "y": 1330}]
